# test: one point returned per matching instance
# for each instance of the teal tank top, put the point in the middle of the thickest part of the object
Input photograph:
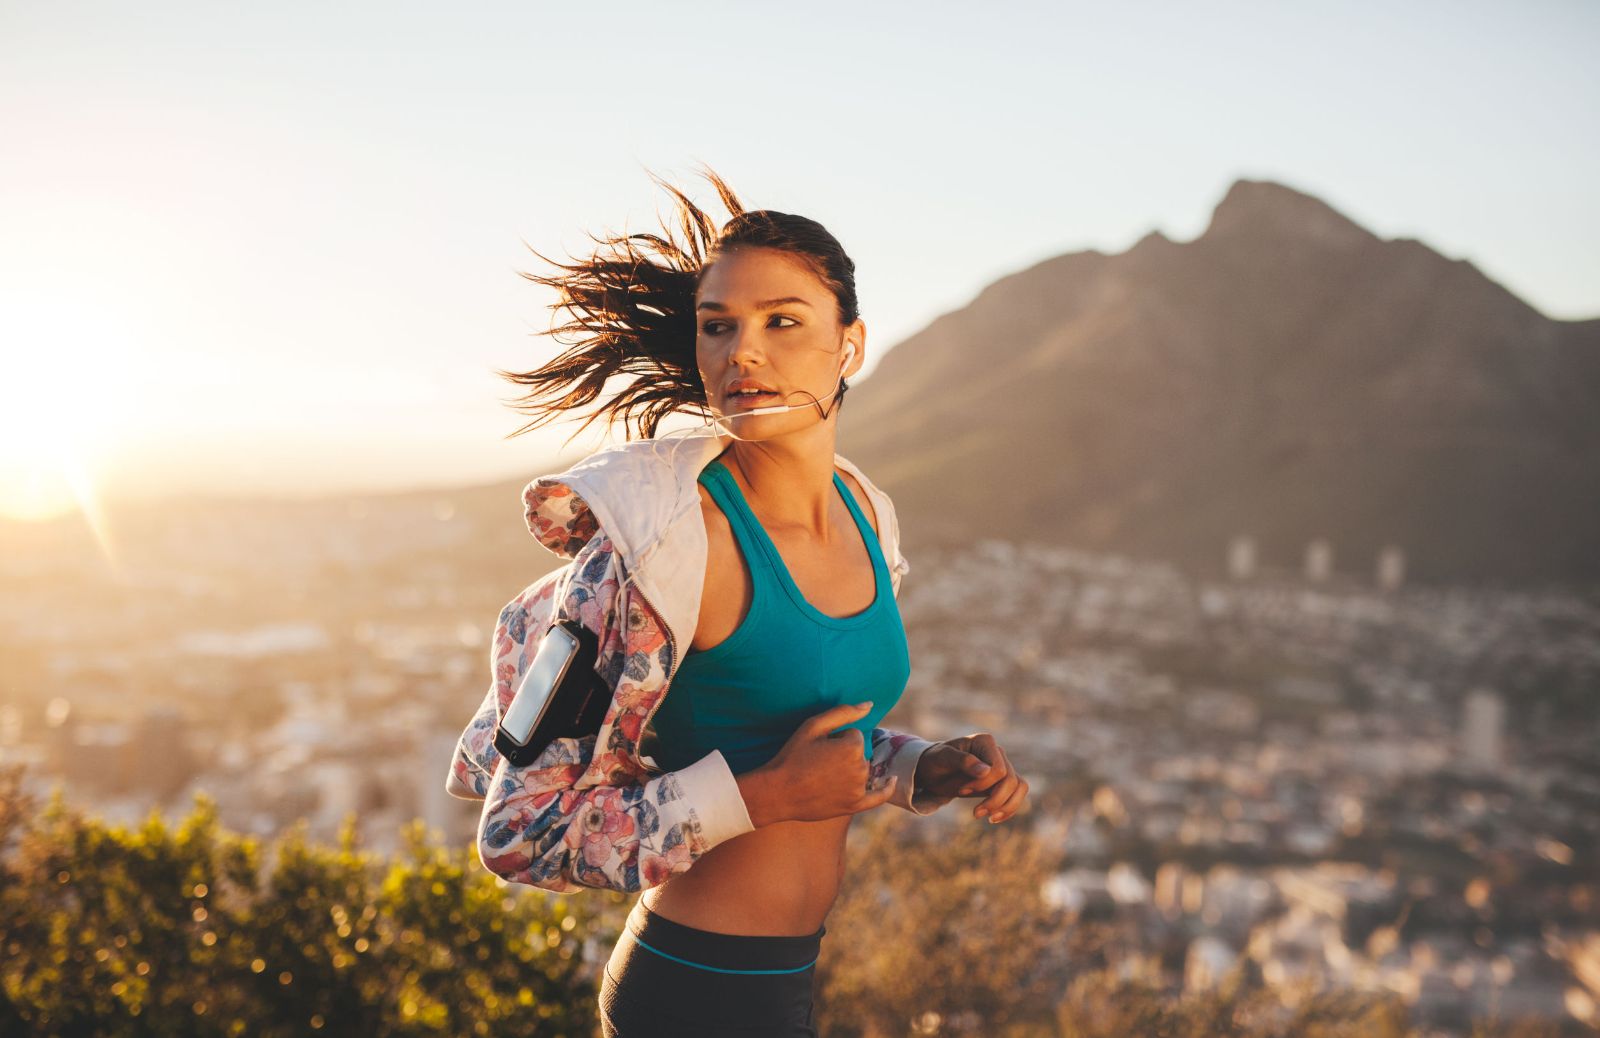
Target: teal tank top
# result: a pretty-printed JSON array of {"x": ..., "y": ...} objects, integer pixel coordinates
[{"x": 786, "y": 660}]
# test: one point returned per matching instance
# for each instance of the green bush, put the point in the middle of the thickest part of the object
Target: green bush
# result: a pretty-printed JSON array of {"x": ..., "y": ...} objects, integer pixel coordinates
[{"x": 190, "y": 930}]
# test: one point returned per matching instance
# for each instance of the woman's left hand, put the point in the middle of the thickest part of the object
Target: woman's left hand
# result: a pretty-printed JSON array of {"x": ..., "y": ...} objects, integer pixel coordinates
[{"x": 973, "y": 765}]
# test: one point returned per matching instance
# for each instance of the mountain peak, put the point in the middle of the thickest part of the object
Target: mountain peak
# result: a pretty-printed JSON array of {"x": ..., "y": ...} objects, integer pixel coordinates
[
  {"x": 1287, "y": 377},
  {"x": 1266, "y": 209}
]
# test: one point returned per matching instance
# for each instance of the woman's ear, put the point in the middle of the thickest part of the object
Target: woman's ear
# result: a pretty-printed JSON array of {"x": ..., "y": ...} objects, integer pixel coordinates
[{"x": 855, "y": 348}]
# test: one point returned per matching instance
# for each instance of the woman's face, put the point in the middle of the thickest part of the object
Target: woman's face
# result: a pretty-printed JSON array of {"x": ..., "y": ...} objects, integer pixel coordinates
[{"x": 762, "y": 317}]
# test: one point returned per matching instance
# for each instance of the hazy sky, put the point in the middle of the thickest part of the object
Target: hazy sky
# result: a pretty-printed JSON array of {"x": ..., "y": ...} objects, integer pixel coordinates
[{"x": 274, "y": 246}]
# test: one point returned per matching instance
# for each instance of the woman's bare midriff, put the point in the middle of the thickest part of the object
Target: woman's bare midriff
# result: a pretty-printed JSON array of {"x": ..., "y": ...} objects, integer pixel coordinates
[{"x": 779, "y": 879}]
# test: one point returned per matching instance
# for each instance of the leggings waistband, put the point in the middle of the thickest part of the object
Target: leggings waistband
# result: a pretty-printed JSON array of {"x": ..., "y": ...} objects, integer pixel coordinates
[{"x": 723, "y": 952}]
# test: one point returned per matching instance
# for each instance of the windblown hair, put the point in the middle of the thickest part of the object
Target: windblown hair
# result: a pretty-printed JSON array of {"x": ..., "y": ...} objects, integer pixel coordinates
[{"x": 630, "y": 312}]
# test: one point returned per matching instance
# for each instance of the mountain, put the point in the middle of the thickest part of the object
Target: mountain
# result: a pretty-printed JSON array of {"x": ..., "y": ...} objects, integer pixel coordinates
[{"x": 1287, "y": 375}]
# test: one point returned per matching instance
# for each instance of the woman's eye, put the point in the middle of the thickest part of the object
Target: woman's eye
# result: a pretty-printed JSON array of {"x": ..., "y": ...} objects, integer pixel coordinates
[{"x": 715, "y": 327}]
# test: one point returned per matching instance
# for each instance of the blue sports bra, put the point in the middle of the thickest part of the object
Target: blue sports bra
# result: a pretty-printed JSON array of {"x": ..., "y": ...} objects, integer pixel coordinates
[{"x": 786, "y": 660}]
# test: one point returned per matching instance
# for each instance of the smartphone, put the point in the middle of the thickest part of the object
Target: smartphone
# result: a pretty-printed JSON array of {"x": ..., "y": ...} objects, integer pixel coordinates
[{"x": 560, "y": 695}]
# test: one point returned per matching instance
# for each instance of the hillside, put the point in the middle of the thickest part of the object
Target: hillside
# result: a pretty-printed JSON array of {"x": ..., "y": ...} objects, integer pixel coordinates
[{"x": 1286, "y": 375}]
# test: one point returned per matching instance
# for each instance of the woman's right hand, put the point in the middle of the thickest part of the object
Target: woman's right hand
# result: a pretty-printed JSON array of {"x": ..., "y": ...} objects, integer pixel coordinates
[{"x": 818, "y": 774}]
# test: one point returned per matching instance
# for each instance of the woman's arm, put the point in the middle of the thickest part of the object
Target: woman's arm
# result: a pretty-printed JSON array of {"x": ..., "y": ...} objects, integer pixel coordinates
[
  {"x": 476, "y": 757},
  {"x": 569, "y": 820},
  {"x": 539, "y": 830}
]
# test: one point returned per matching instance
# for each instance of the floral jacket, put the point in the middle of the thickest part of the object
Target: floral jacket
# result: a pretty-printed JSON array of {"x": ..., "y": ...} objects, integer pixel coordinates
[{"x": 597, "y": 811}]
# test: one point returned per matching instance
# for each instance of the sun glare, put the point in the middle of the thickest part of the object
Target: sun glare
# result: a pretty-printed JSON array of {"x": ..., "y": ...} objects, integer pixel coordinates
[
  {"x": 44, "y": 486},
  {"x": 48, "y": 411}
]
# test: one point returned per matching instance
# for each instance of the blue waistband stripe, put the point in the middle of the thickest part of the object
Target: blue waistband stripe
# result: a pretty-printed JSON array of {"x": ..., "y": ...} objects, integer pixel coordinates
[{"x": 719, "y": 969}]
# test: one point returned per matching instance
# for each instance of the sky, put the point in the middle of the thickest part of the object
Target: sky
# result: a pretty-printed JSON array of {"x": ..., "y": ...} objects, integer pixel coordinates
[{"x": 274, "y": 249}]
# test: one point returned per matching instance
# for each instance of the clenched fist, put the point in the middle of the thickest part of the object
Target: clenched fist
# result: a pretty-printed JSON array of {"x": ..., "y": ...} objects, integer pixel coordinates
[{"x": 818, "y": 774}]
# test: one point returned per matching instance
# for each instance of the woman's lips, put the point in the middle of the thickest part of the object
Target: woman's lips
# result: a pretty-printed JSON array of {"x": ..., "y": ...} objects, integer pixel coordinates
[{"x": 746, "y": 400}]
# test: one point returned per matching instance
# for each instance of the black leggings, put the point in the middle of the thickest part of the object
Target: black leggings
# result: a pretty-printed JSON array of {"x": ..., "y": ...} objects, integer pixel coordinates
[{"x": 725, "y": 985}]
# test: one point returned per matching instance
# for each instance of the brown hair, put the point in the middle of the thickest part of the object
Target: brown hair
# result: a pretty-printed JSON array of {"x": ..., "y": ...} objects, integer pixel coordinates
[{"x": 630, "y": 310}]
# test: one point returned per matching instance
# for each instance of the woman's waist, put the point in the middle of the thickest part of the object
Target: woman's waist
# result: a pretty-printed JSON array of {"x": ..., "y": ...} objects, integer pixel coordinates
[
  {"x": 777, "y": 958},
  {"x": 779, "y": 879}
]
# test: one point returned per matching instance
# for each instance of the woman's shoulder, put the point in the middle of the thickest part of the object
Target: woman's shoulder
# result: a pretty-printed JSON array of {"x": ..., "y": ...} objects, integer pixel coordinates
[
  {"x": 876, "y": 505},
  {"x": 881, "y": 511},
  {"x": 860, "y": 495}
]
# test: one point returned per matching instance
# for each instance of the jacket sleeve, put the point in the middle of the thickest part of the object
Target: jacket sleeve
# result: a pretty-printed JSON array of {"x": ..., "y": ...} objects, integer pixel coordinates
[
  {"x": 896, "y": 753},
  {"x": 542, "y": 825},
  {"x": 475, "y": 758},
  {"x": 901, "y": 565}
]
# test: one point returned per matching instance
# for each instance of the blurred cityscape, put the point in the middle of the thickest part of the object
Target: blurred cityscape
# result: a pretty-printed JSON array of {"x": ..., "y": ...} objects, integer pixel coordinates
[{"x": 1321, "y": 778}]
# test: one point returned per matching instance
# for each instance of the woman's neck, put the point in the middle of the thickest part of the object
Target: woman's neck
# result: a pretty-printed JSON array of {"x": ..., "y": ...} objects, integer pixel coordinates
[{"x": 788, "y": 480}]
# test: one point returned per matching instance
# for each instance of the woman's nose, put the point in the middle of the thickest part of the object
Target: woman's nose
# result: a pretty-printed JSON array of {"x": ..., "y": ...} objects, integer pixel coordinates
[{"x": 746, "y": 349}]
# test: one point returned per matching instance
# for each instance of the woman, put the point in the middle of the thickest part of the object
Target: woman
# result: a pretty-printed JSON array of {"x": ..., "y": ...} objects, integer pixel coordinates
[{"x": 792, "y": 650}]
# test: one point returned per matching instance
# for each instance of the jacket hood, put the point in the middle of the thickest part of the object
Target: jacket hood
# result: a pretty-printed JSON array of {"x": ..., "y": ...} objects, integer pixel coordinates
[{"x": 630, "y": 490}]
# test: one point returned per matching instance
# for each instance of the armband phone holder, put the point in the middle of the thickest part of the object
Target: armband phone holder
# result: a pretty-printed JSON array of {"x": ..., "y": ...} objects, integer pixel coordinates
[{"x": 560, "y": 696}]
